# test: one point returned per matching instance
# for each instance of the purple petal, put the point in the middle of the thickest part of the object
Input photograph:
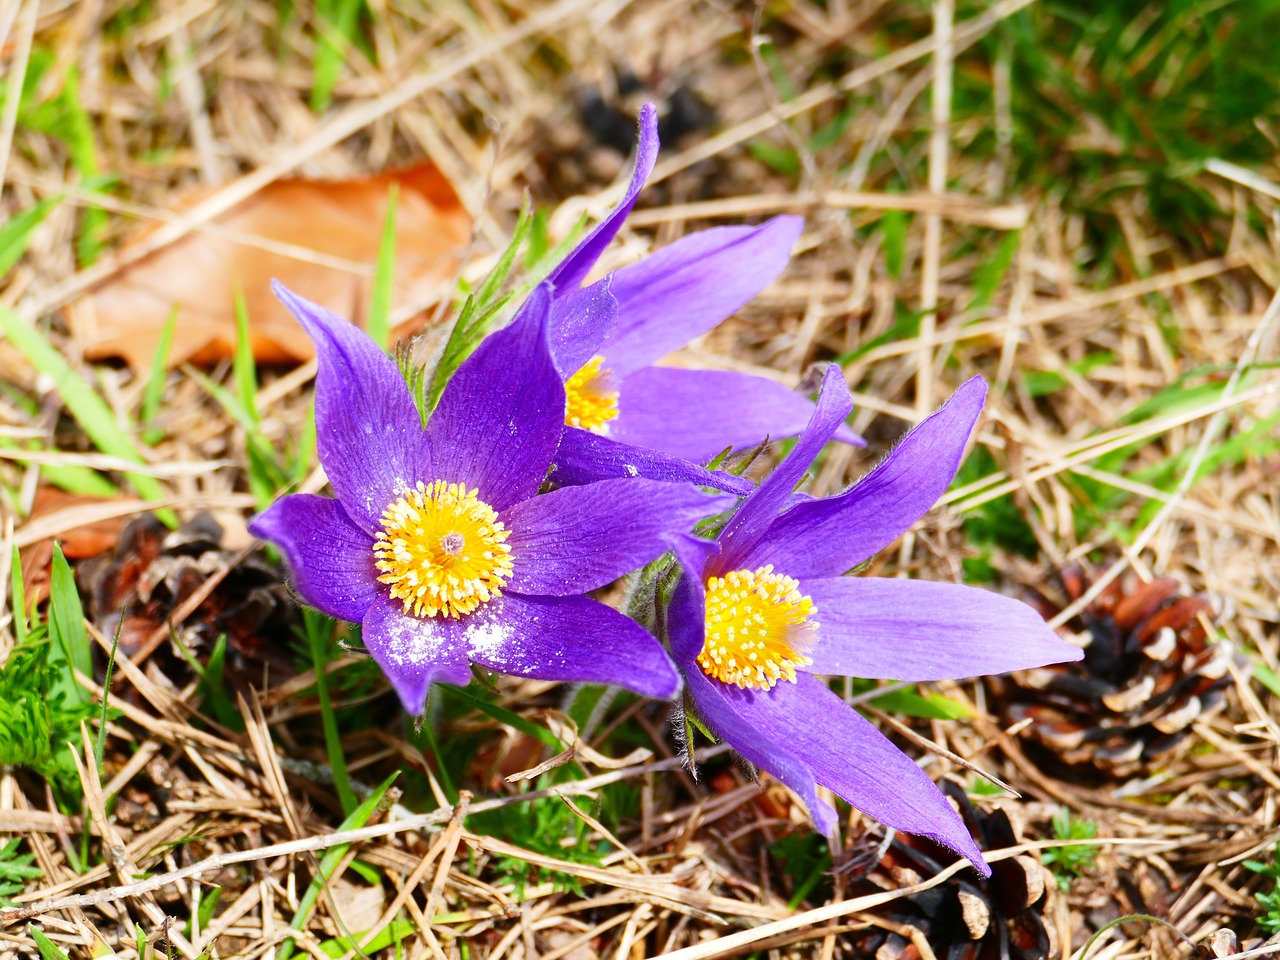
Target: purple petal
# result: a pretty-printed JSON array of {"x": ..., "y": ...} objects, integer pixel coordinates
[
  {"x": 568, "y": 638},
  {"x": 695, "y": 414},
  {"x": 919, "y": 630},
  {"x": 683, "y": 290},
  {"x": 575, "y": 539},
  {"x": 499, "y": 420},
  {"x": 686, "y": 618},
  {"x": 414, "y": 652},
  {"x": 586, "y": 457},
  {"x": 719, "y": 712},
  {"x": 581, "y": 321},
  {"x": 330, "y": 557},
  {"x": 575, "y": 267},
  {"x": 686, "y": 614},
  {"x": 761, "y": 509},
  {"x": 849, "y": 755},
  {"x": 826, "y": 538},
  {"x": 368, "y": 430}
]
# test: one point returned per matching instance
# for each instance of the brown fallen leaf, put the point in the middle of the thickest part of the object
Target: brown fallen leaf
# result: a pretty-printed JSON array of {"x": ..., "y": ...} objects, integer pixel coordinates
[
  {"x": 85, "y": 541},
  {"x": 200, "y": 274}
]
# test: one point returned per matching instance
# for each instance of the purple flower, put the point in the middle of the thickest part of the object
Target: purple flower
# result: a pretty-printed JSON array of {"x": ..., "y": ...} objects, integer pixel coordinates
[
  {"x": 438, "y": 543},
  {"x": 757, "y": 614},
  {"x": 606, "y": 336}
]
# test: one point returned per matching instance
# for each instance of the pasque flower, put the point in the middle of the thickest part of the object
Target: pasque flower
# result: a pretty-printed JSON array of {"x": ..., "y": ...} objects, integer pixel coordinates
[
  {"x": 756, "y": 615},
  {"x": 438, "y": 542},
  {"x": 606, "y": 337}
]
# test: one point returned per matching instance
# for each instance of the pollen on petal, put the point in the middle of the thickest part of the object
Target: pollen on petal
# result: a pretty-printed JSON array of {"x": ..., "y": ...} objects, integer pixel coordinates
[
  {"x": 590, "y": 400},
  {"x": 758, "y": 626},
  {"x": 442, "y": 550}
]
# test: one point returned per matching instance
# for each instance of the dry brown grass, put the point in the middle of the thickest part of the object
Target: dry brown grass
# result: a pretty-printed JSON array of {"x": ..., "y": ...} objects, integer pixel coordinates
[{"x": 216, "y": 94}]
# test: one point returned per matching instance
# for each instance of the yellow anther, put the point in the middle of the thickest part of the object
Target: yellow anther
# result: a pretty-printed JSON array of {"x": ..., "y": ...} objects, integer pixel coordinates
[
  {"x": 758, "y": 625},
  {"x": 442, "y": 550},
  {"x": 590, "y": 403}
]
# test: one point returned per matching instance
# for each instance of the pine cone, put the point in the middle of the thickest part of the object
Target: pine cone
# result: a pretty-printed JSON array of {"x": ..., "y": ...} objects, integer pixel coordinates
[
  {"x": 1149, "y": 671},
  {"x": 154, "y": 570},
  {"x": 966, "y": 918}
]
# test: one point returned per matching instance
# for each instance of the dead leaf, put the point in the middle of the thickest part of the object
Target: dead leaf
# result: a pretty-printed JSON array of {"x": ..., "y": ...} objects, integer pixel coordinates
[
  {"x": 81, "y": 543},
  {"x": 339, "y": 220}
]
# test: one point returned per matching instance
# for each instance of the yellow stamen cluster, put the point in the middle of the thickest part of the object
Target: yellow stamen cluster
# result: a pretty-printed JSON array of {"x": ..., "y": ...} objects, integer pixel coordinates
[
  {"x": 442, "y": 550},
  {"x": 758, "y": 627},
  {"x": 589, "y": 401}
]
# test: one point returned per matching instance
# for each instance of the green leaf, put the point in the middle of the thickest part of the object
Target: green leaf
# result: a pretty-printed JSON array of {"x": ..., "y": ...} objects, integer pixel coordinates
[
  {"x": 909, "y": 703},
  {"x": 15, "y": 870},
  {"x": 479, "y": 313},
  {"x": 1073, "y": 859},
  {"x": 539, "y": 240}
]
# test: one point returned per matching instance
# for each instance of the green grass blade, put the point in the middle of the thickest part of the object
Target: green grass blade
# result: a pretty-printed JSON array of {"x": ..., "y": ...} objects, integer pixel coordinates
[
  {"x": 319, "y": 629},
  {"x": 16, "y": 234},
  {"x": 48, "y": 949},
  {"x": 100, "y": 742},
  {"x": 491, "y": 284},
  {"x": 19, "y": 597},
  {"x": 1267, "y": 677},
  {"x": 304, "y": 453},
  {"x": 337, "y": 25},
  {"x": 587, "y": 706},
  {"x": 266, "y": 474},
  {"x": 427, "y": 733},
  {"x": 987, "y": 278},
  {"x": 153, "y": 395},
  {"x": 504, "y": 716},
  {"x": 68, "y": 476},
  {"x": 75, "y": 127},
  {"x": 393, "y": 932},
  {"x": 243, "y": 367},
  {"x": 67, "y": 631},
  {"x": 329, "y": 862},
  {"x": 88, "y": 409},
  {"x": 384, "y": 276}
]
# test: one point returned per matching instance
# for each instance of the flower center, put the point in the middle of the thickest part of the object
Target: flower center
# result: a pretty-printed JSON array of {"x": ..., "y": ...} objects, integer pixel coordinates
[
  {"x": 758, "y": 627},
  {"x": 590, "y": 401},
  {"x": 442, "y": 550}
]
